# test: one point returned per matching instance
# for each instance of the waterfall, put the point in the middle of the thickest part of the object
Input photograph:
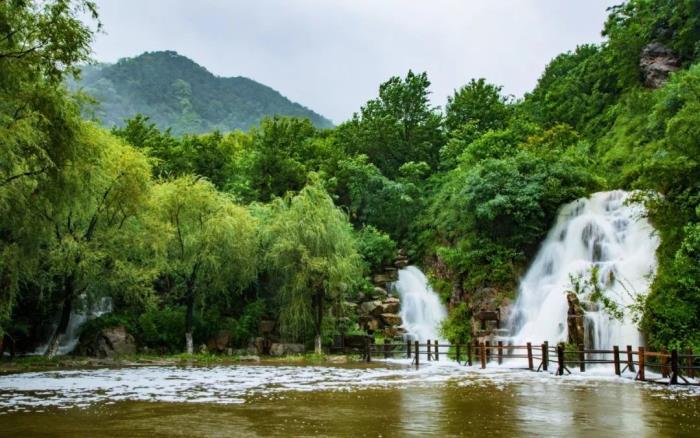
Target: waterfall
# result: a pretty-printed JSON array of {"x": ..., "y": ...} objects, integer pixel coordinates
[
  {"x": 604, "y": 233},
  {"x": 421, "y": 309},
  {"x": 77, "y": 318}
]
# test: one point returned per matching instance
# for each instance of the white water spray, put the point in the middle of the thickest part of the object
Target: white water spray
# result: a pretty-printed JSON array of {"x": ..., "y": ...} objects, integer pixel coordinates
[
  {"x": 602, "y": 232},
  {"x": 421, "y": 309}
]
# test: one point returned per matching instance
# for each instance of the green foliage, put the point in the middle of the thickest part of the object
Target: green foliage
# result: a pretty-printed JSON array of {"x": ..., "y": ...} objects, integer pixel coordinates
[
  {"x": 310, "y": 250},
  {"x": 162, "y": 330},
  {"x": 179, "y": 94},
  {"x": 376, "y": 248},
  {"x": 457, "y": 327},
  {"x": 479, "y": 104},
  {"x": 398, "y": 126}
]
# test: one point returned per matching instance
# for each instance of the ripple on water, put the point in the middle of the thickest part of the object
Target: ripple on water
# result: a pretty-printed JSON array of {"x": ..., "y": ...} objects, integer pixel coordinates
[{"x": 234, "y": 384}]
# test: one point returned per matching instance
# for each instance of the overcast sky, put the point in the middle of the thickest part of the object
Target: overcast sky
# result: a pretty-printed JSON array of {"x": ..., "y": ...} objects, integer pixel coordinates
[{"x": 331, "y": 55}]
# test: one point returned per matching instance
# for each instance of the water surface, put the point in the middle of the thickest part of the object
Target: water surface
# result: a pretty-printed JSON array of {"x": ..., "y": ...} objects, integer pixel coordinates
[{"x": 379, "y": 400}]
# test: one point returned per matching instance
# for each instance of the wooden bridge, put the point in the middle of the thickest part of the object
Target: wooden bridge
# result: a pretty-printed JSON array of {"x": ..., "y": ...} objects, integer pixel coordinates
[{"x": 668, "y": 367}]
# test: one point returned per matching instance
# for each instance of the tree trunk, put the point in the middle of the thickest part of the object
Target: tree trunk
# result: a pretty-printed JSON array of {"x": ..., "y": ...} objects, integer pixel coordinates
[
  {"x": 55, "y": 341},
  {"x": 189, "y": 347},
  {"x": 318, "y": 348}
]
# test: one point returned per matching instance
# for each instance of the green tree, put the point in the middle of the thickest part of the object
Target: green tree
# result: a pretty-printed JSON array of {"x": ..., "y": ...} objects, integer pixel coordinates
[
  {"x": 479, "y": 103},
  {"x": 312, "y": 253},
  {"x": 207, "y": 244},
  {"x": 397, "y": 127}
]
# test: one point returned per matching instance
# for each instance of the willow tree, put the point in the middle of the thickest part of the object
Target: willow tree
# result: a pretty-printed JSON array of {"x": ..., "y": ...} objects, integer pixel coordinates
[
  {"x": 208, "y": 244},
  {"x": 87, "y": 214},
  {"x": 312, "y": 254}
]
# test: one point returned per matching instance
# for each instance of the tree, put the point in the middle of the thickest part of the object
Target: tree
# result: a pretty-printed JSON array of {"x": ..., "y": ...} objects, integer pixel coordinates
[
  {"x": 311, "y": 250},
  {"x": 479, "y": 103},
  {"x": 207, "y": 244},
  {"x": 84, "y": 213},
  {"x": 397, "y": 127}
]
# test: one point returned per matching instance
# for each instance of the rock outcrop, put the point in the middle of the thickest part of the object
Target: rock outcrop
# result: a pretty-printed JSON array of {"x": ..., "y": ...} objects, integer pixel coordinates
[
  {"x": 575, "y": 319},
  {"x": 657, "y": 62},
  {"x": 107, "y": 342}
]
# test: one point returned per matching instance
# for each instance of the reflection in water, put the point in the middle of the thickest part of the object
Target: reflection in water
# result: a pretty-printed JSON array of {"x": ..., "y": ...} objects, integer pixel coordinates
[{"x": 393, "y": 400}]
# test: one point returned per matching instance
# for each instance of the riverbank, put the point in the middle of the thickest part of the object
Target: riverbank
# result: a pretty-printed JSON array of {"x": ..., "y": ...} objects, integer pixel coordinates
[{"x": 41, "y": 363}]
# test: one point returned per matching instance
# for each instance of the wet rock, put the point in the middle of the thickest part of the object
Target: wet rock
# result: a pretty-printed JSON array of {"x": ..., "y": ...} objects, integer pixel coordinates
[
  {"x": 282, "y": 349},
  {"x": 337, "y": 359},
  {"x": 657, "y": 62},
  {"x": 380, "y": 292},
  {"x": 575, "y": 319},
  {"x": 391, "y": 319},
  {"x": 250, "y": 358},
  {"x": 107, "y": 342},
  {"x": 371, "y": 308},
  {"x": 370, "y": 323},
  {"x": 391, "y": 305}
]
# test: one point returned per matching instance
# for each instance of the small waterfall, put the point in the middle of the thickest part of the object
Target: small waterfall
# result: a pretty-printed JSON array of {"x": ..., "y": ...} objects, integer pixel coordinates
[
  {"x": 421, "y": 309},
  {"x": 602, "y": 233},
  {"x": 77, "y": 318}
]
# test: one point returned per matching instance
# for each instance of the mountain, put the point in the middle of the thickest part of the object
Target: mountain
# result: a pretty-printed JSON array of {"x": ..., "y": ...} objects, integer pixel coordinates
[{"x": 177, "y": 93}]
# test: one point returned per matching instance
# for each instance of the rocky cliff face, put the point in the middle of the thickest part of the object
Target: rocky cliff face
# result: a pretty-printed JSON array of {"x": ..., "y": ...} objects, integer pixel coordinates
[{"x": 657, "y": 62}]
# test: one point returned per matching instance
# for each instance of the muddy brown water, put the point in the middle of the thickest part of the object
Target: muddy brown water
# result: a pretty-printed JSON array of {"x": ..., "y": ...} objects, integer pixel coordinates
[{"x": 383, "y": 400}]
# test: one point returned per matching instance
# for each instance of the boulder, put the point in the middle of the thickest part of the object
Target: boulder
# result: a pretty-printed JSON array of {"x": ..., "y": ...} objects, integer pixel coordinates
[
  {"x": 219, "y": 342},
  {"x": 391, "y": 319},
  {"x": 657, "y": 62},
  {"x": 282, "y": 349},
  {"x": 381, "y": 279},
  {"x": 391, "y": 305},
  {"x": 337, "y": 359},
  {"x": 371, "y": 308},
  {"x": 380, "y": 292},
  {"x": 250, "y": 358},
  {"x": 107, "y": 342},
  {"x": 370, "y": 323}
]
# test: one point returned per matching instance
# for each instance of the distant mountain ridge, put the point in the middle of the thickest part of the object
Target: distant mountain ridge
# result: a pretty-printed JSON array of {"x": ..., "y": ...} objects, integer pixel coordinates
[{"x": 177, "y": 93}]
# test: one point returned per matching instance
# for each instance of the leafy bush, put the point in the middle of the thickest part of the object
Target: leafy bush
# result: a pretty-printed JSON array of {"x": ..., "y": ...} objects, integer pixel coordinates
[{"x": 376, "y": 247}]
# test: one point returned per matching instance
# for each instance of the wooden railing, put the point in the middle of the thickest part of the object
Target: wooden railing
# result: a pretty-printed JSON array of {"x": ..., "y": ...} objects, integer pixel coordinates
[{"x": 669, "y": 367}]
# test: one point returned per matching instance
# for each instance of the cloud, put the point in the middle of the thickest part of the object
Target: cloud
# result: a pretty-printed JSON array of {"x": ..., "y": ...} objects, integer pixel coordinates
[{"x": 331, "y": 55}]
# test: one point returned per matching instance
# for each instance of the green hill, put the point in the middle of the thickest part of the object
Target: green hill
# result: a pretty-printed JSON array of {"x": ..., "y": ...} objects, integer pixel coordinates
[{"x": 177, "y": 93}]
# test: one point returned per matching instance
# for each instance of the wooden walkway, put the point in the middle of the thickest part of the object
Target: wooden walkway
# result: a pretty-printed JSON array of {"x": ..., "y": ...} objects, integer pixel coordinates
[{"x": 667, "y": 367}]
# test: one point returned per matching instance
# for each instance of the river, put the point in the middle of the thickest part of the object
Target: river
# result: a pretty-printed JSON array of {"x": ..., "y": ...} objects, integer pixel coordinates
[{"x": 379, "y": 399}]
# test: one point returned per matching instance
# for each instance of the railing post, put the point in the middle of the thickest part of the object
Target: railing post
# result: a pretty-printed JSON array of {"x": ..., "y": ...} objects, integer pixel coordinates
[
  {"x": 482, "y": 351},
  {"x": 545, "y": 355},
  {"x": 642, "y": 358},
  {"x": 500, "y": 352},
  {"x": 488, "y": 351},
  {"x": 437, "y": 351},
  {"x": 429, "y": 346},
  {"x": 458, "y": 354},
  {"x": 689, "y": 361},
  {"x": 674, "y": 367},
  {"x": 616, "y": 359},
  {"x": 560, "y": 359},
  {"x": 529, "y": 356},
  {"x": 408, "y": 349},
  {"x": 417, "y": 353},
  {"x": 469, "y": 354},
  {"x": 368, "y": 348},
  {"x": 630, "y": 359},
  {"x": 581, "y": 358}
]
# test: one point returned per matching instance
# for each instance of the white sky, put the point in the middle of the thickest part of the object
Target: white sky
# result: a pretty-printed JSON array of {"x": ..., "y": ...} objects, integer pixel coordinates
[{"x": 331, "y": 55}]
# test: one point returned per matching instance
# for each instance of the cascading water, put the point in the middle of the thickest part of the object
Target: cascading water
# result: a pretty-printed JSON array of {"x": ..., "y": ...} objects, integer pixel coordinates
[
  {"x": 421, "y": 309},
  {"x": 77, "y": 318},
  {"x": 600, "y": 234}
]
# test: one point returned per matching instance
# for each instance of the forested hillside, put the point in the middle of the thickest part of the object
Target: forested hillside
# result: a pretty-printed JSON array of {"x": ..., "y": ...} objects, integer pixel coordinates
[
  {"x": 177, "y": 93},
  {"x": 198, "y": 233}
]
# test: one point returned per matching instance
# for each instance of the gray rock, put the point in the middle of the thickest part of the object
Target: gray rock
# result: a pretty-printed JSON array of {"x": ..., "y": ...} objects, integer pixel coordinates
[
  {"x": 282, "y": 349},
  {"x": 108, "y": 342},
  {"x": 391, "y": 305},
  {"x": 657, "y": 62},
  {"x": 371, "y": 308},
  {"x": 391, "y": 319}
]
